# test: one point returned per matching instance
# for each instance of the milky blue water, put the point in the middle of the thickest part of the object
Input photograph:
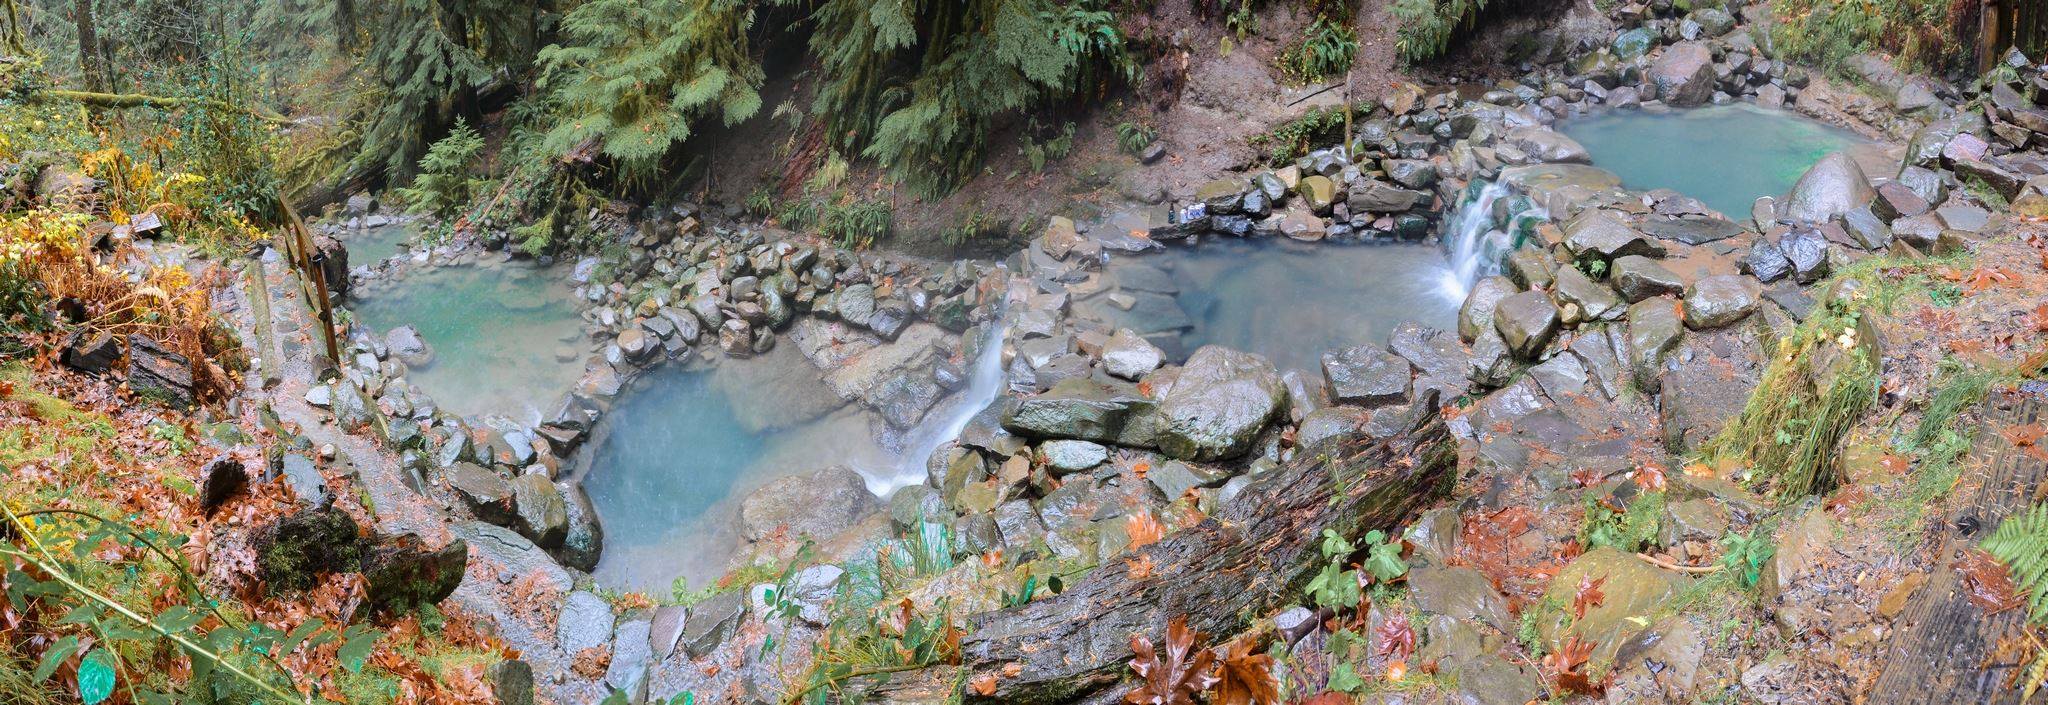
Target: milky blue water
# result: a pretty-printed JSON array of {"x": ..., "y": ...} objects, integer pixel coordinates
[{"x": 1724, "y": 155}]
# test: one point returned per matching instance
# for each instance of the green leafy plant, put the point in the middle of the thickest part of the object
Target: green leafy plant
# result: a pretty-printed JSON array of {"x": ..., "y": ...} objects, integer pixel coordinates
[
  {"x": 856, "y": 223},
  {"x": 1336, "y": 587},
  {"x": 1744, "y": 555},
  {"x": 1426, "y": 26},
  {"x": 1631, "y": 529},
  {"x": 1383, "y": 557},
  {"x": 1134, "y": 137},
  {"x": 2021, "y": 543},
  {"x": 444, "y": 185},
  {"x": 1325, "y": 50}
]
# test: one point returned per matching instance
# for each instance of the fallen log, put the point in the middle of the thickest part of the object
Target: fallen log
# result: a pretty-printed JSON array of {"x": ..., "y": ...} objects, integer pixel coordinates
[{"x": 1251, "y": 558}]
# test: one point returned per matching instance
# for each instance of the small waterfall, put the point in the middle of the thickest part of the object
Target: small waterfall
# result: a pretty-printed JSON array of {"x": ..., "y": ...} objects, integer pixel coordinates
[
  {"x": 985, "y": 381},
  {"x": 1490, "y": 221}
]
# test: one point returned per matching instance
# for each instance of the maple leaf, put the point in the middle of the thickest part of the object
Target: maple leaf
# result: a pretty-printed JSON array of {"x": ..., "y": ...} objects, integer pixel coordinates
[
  {"x": 1396, "y": 638},
  {"x": 983, "y": 685},
  {"x": 1650, "y": 478},
  {"x": 1589, "y": 595},
  {"x": 1983, "y": 278},
  {"x": 1143, "y": 529},
  {"x": 1568, "y": 664},
  {"x": 1176, "y": 679},
  {"x": 1246, "y": 678},
  {"x": 1141, "y": 567},
  {"x": 2039, "y": 318}
]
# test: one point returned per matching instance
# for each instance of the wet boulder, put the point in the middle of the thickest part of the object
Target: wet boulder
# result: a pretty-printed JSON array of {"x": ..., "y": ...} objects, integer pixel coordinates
[
  {"x": 404, "y": 575},
  {"x": 1684, "y": 74},
  {"x": 1526, "y": 322},
  {"x": 485, "y": 493},
  {"x": 1367, "y": 376},
  {"x": 1633, "y": 588},
  {"x": 1833, "y": 186},
  {"x": 1720, "y": 301},
  {"x": 583, "y": 543},
  {"x": 1220, "y": 401},
  {"x": 405, "y": 343},
  {"x": 1604, "y": 234},
  {"x": 1070, "y": 456},
  {"x": 292, "y": 553},
  {"x": 1076, "y": 408},
  {"x": 819, "y": 505},
  {"x": 1547, "y": 145},
  {"x": 1638, "y": 277},
  {"x": 1476, "y": 313},
  {"x": 1766, "y": 261},
  {"x": 1655, "y": 326},
  {"x": 1129, "y": 356},
  {"x": 539, "y": 512},
  {"x": 157, "y": 372},
  {"x": 1595, "y": 301}
]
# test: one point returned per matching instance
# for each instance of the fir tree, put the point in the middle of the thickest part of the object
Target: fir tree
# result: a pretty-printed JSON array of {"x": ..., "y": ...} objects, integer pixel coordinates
[{"x": 634, "y": 76}]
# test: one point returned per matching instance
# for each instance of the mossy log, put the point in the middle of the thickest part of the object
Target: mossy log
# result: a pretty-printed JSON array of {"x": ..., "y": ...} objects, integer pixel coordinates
[
  {"x": 143, "y": 100},
  {"x": 1251, "y": 558}
]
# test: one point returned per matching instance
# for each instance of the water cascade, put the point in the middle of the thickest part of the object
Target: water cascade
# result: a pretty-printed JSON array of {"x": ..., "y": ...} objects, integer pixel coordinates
[
  {"x": 1490, "y": 221},
  {"x": 985, "y": 381}
]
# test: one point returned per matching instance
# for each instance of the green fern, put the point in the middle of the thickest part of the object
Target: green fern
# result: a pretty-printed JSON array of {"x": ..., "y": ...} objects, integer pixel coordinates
[
  {"x": 2021, "y": 543},
  {"x": 444, "y": 185}
]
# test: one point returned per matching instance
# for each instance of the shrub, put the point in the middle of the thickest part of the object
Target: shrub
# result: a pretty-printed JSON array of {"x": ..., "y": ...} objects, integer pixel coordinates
[
  {"x": 1325, "y": 51},
  {"x": 444, "y": 185},
  {"x": 1924, "y": 34},
  {"x": 1134, "y": 137}
]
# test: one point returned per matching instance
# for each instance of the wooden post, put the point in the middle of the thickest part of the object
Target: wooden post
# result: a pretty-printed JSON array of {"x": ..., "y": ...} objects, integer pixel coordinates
[
  {"x": 317, "y": 299},
  {"x": 1990, "y": 36}
]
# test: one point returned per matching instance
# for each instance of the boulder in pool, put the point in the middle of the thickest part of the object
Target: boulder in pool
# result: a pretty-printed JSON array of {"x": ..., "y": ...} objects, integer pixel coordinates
[
  {"x": 1476, "y": 313},
  {"x": 1546, "y": 145},
  {"x": 405, "y": 343},
  {"x": 1684, "y": 74},
  {"x": 1220, "y": 401},
  {"x": 539, "y": 512},
  {"x": 1834, "y": 186},
  {"x": 819, "y": 505},
  {"x": 1129, "y": 356}
]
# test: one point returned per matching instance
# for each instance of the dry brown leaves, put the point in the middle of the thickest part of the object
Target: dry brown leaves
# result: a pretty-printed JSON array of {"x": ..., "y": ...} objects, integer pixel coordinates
[
  {"x": 1246, "y": 678},
  {"x": 592, "y": 662},
  {"x": 1141, "y": 567},
  {"x": 1650, "y": 477},
  {"x": 1396, "y": 639},
  {"x": 1588, "y": 595},
  {"x": 2027, "y": 438},
  {"x": 1567, "y": 668},
  {"x": 1175, "y": 679},
  {"x": 1986, "y": 582},
  {"x": 1143, "y": 529}
]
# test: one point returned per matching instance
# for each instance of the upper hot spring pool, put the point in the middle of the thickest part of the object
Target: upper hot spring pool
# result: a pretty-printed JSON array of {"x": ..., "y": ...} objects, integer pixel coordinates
[
  {"x": 1286, "y": 300},
  {"x": 506, "y": 338},
  {"x": 1726, "y": 155}
]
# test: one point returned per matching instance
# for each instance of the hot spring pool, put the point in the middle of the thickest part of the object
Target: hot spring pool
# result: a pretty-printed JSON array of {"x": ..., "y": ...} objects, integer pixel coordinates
[
  {"x": 685, "y": 445},
  {"x": 1286, "y": 300},
  {"x": 506, "y": 337},
  {"x": 1726, "y": 155}
]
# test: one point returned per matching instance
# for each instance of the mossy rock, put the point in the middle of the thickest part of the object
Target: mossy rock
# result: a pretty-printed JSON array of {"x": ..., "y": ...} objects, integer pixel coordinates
[{"x": 294, "y": 552}]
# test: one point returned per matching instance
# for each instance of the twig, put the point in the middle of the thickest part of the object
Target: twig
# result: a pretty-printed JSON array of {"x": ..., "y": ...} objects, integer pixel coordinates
[{"x": 1668, "y": 565}]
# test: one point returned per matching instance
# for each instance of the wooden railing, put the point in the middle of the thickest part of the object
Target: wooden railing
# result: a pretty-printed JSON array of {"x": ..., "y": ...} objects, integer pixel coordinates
[
  {"x": 2006, "y": 24},
  {"x": 304, "y": 257}
]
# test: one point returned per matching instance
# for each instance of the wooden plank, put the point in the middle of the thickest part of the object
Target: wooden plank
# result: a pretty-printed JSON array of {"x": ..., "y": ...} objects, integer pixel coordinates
[{"x": 1944, "y": 641}]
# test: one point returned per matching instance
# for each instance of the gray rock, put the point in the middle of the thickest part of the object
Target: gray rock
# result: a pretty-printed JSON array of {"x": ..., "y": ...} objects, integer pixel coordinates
[
  {"x": 1129, "y": 356},
  {"x": 539, "y": 513},
  {"x": 1526, "y": 321},
  {"x": 1221, "y": 399},
  {"x": 405, "y": 343},
  {"x": 304, "y": 478},
  {"x": 1546, "y": 145},
  {"x": 819, "y": 505},
  {"x": 1639, "y": 277},
  {"x": 583, "y": 544},
  {"x": 1654, "y": 329},
  {"x": 1684, "y": 74},
  {"x": 1870, "y": 231},
  {"x": 1834, "y": 186},
  {"x": 511, "y": 682},
  {"x": 1602, "y": 233},
  {"x": 585, "y": 622},
  {"x": 1070, "y": 456},
  {"x": 1595, "y": 300},
  {"x": 1476, "y": 313},
  {"x": 1719, "y": 301},
  {"x": 1808, "y": 252},
  {"x": 1766, "y": 261},
  {"x": 1366, "y": 375},
  {"x": 402, "y": 575},
  {"x": 630, "y": 656},
  {"x": 713, "y": 621},
  {"x": 1076, "y": 408}
]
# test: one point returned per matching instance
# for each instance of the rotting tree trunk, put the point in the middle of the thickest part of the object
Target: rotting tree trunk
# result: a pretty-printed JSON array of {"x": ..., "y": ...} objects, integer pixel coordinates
[
  {"x": 1253, "y": 557},
  {"x": 1945, "y": 648}
]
